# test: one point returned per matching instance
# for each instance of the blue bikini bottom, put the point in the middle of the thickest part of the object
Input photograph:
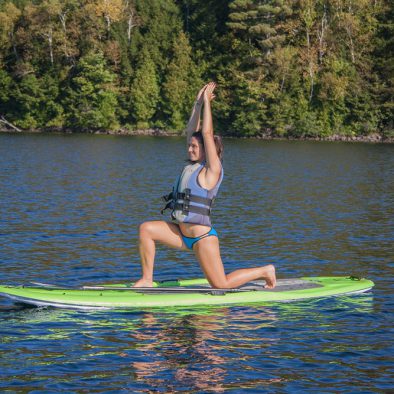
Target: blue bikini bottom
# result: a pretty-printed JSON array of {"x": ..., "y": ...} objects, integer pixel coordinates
[{"x": 189, "y": 242}]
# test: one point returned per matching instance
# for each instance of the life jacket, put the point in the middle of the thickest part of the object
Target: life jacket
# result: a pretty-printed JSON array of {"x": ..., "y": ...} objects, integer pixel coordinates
[{"x": 191, "y": 203}]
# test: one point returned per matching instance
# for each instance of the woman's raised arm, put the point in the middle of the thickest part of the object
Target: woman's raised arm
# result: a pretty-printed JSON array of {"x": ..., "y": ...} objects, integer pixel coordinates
[
  {"x": 213, "y": 163},
  {"x": 194, "y": 120}
]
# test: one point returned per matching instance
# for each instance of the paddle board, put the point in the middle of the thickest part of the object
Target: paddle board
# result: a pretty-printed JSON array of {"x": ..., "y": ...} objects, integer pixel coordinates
[{"x": 175, "y": 293}]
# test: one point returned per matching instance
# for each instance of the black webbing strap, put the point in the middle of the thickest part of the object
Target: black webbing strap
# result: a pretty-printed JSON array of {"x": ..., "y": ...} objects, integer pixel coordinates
[
  {"x": 186, "y": 196},
  {"x": 168, "y": 197},
  {"x": 186, "y": 208}
]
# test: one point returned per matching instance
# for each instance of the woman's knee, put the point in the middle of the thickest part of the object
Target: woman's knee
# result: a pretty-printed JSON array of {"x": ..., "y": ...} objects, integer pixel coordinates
[
  {"x": 208, "y": 254},
  {"x": 145, "y": 230},
  {"x": 217, "y": 283}
]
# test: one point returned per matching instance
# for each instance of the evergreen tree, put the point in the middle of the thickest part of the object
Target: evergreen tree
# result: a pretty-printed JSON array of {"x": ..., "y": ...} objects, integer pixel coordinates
[
  {"x": 33, "y": 102},
  {"x": 260, "y": 22},
  {"x": 247, "y": 111},
  {"x": 181, "y": 83},
  {"x": 144, "y": 92},
  {"x": 204, "y": 22},
  {"x": 160, "y": 25},
  {"x": 5, "y": 91},
  {"x": 91, "y": 98}
]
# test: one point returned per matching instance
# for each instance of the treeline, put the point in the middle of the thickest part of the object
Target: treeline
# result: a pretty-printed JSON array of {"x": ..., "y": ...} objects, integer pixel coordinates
[{"x": 284, "y": 67}]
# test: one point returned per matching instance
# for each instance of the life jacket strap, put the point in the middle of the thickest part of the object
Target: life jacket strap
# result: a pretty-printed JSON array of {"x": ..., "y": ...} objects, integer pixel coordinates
[
  {"x": 172, "y": 203},
  {"x": 186, "y": 196},
  {"x": 169, "y": 205},
  {"x": 168, "y": 197},
  {"x": 187, "y": 208}
]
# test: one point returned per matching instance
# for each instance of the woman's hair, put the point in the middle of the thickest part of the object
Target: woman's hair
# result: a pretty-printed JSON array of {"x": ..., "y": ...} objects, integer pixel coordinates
[{"x": 216, "y": 138}]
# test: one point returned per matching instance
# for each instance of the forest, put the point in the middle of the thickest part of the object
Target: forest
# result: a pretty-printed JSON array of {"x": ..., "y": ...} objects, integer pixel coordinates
[{"x": 284, "y": 68}]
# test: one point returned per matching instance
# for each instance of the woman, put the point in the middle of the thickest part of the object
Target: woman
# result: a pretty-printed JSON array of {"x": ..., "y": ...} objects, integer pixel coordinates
[{"x": 191, "y": 201}]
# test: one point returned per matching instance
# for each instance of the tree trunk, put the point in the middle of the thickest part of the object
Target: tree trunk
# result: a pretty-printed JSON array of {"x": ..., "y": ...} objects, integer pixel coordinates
[
  {"x": 62, "y": 17},
  {"x": 7, "y": 123},
  {"x": 130, "y": 26},
  {"x": 108, "y": 20},
  {"x": 321, "y": 34},
  {"x": 351, "y": 45},
  {"x": 311, "y": 74},
  {"x": 11, "y": 35},
  {"x": 310, "y": 63},
  {"x": 49, "y": 36}
]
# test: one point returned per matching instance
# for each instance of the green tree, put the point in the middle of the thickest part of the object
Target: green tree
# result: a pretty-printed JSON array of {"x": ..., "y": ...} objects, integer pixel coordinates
[
  {"x": 43, "y": 24},
  {"x": 144, "y": 92},
  {"x": 260, "y": 22},
  {"x": 248, "y": 113},
  {"x": 181, "y": 83},
  {"x": 266, "y": 66},
  {"x": 160, "y": 23},
  {"x": 9, "y": 15},
  {"x": 283, "y": 90},
  {"x": 5, "y": 91},
  {"x": 33, "y": 102},
  {"x": 384, "y": 66},
  {"x": 92, "y": 96}
]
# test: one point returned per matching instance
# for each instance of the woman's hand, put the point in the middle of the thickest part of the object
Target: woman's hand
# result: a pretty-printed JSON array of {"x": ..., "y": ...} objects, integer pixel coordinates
[
  {"x": 205, "y": 94},
  {"x": 200, "y": 95},
  {"x": 208, "y": 92},
  {"x": 207, "y": 126}
]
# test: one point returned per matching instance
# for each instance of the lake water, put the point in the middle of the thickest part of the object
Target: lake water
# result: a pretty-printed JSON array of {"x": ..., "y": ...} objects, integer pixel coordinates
[{"x": 70, "y": 206}]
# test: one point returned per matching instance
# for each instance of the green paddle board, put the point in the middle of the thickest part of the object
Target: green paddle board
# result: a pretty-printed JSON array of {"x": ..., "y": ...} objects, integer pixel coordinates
[{"x": 191, "y": 292}]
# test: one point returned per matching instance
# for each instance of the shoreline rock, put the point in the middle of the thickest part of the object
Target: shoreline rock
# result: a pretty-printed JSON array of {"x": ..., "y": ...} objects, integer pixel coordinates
[{"x": 371, "y": 138}]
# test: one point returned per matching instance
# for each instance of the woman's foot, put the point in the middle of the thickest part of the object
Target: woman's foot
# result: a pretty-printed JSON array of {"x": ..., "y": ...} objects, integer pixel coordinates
[
  {"x": 143, "y": 283},
  {"x": 270, "y": 277}
]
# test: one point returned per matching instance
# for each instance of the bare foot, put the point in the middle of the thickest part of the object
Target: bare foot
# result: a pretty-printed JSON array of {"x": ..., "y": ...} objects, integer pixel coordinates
[
  {"x": 270, "y": 277},
  {"x": 143, "y": 283}
]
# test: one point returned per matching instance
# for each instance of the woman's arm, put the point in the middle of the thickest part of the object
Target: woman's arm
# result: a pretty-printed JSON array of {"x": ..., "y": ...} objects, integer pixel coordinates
[
  {"x": 194, "y": 120},
  {"x": 213, "y": 163}
]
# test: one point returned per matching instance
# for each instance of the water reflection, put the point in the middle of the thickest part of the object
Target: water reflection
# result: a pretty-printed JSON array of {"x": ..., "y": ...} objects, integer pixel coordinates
[
  {"x": 203, "y": 349},
  {"x": 192, "y": 347}
]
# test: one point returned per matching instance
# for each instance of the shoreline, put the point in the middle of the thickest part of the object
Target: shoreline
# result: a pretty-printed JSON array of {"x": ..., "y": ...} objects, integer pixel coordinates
[{"x": 371, "y": 138}]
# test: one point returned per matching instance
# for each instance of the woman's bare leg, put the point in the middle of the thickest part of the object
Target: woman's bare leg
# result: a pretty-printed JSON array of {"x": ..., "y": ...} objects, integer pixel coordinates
[
  {"x": 208, "y": 254},
  {"x": 149, "y": 234}
]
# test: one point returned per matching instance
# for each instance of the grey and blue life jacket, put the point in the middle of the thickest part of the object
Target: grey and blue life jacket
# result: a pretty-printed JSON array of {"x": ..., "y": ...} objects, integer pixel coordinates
[{"x": 191, "y": 203}]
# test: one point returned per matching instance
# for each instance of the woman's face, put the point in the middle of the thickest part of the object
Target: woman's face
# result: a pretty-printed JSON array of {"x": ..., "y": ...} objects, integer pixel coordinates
[{"x": 196, "y": 150}]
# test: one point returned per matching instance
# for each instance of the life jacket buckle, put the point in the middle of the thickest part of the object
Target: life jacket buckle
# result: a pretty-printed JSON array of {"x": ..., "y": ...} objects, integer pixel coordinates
[
  {"x": 187, "y": 194},
  {"x": 185, "y": 207}
]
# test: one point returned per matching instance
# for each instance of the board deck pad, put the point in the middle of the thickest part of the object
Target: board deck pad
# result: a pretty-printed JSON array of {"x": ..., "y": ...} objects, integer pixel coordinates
[
  {"x": 282, "y": 285},
  {"x": 258, "y": 285}
]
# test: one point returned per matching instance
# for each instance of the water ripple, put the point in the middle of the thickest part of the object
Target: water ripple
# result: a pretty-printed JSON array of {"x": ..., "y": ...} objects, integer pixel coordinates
[{"x": 70, "y": 208}]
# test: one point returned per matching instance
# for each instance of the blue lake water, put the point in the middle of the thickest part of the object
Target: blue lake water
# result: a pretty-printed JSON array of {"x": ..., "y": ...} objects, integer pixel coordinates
[{"x": 70, "y": 206}]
